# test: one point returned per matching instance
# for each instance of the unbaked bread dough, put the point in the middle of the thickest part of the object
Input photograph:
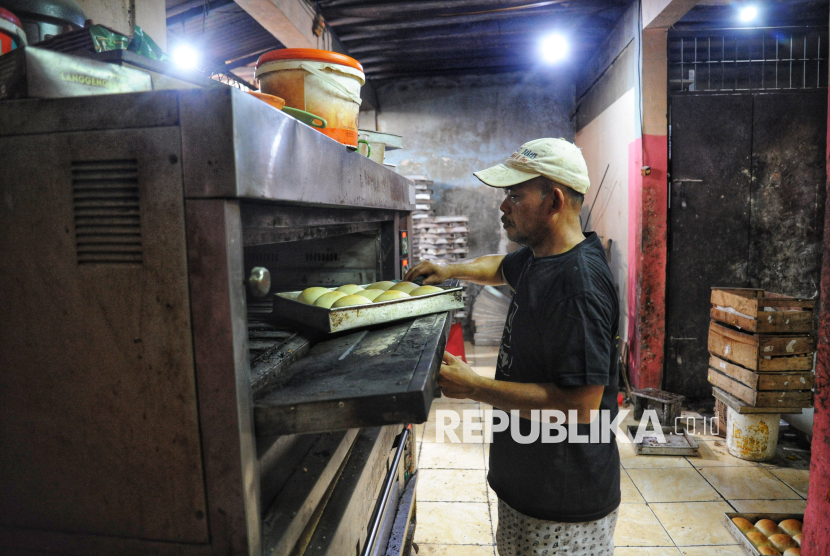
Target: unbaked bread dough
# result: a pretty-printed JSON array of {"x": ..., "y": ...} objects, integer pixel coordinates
[
  {"x": 327, "y": 299},
  {"x": 310, "y": 295}
]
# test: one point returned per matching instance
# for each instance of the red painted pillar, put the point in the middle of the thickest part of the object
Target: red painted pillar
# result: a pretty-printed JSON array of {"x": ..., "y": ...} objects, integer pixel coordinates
[
  {"x": 817, "y": 517},
  {"x": 648, "y": 221}
]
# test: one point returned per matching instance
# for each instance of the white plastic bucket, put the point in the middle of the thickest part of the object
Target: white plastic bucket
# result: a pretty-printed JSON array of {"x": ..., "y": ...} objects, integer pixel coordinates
[
  {"x": 753, "y": 437},
  {"x": 324, "y": 88}
]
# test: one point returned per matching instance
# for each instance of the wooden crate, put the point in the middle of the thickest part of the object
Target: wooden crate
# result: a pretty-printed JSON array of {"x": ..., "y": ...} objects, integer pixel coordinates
[
  {"x": 798, "y": 380},
  {"x": 769, "y": 399},
  {"x": 743, "y": 409},
  {"x": 762, "y": 352},
  {"x": 747, "y": 309}
]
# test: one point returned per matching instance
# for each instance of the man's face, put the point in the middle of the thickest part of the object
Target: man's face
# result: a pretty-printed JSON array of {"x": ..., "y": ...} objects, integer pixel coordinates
[{"x": 525, "y": 217}]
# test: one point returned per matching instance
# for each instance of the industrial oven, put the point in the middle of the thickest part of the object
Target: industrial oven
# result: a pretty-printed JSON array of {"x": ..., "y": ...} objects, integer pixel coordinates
[{"x": 150, "y": 401}]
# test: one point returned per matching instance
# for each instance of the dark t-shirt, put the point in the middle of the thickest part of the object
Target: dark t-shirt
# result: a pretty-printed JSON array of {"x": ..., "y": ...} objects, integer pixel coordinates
[{"x": 562, "y": 329}]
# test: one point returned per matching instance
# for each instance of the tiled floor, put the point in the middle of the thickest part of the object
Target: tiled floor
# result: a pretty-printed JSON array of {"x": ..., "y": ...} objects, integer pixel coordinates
[{"x": 671, "y": 506}]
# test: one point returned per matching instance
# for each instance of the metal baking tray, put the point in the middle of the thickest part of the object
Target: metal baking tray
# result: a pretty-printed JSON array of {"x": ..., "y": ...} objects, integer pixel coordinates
[
  {"x": 287, "y": 308},
  {"x": 677, "y": 443},
  {"x": 745, "y": 543}
]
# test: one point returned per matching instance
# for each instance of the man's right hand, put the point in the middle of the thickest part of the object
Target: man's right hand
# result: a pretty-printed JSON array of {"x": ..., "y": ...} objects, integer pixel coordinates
[{"x": 435, "y": 273}]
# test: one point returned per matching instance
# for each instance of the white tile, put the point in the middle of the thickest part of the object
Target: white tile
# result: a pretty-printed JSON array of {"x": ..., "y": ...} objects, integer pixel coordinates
[
  {"x": 672, "y": 485},
  {"x": 451, "y": 485},
  {"x": 695, "y": 523},
  {"x": 638, "y": 526},
  {"x": 747, "y": 483},
  {"x": 646, "y": 551},
  {"x": 797, "y": 479},
  {"x": 769, "y": 506},
  {"x": 731, "y": 550},
  {"x": 453, "y": 523},
  {"x": 451, "y": 456}
]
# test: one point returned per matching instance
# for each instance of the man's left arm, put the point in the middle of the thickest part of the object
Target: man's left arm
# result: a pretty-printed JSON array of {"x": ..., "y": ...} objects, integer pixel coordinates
[{"x": 458, "y": 380}]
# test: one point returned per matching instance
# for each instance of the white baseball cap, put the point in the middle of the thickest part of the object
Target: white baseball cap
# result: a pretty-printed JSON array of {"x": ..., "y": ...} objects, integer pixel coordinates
[{"x": 556, "y": 159}]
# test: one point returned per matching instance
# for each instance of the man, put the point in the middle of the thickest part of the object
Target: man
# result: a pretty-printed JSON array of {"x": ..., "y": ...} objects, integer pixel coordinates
[{"x": 558, "y": 352}]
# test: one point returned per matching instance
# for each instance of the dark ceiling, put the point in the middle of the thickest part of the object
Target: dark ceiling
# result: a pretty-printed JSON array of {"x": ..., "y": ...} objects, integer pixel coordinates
[
  {"x": 403, "y": 38},
  {"x": 437, "y": 37},
  {"x": 408, "y": 38}
]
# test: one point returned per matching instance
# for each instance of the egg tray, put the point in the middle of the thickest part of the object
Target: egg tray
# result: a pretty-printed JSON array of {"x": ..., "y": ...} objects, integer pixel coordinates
[
  {"x": 288, "y": 309},
  {"x": 745, "y": 543}
]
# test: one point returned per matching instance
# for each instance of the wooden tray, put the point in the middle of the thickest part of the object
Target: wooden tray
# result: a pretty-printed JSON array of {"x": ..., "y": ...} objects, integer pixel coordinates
[
  {"x": 741, "y": 538},
  {"x": 761, "y": 352},
  {"x": 746, "y": 309},
  {"x": 796, "y": 380},
  {"x": 743, "y": 409},
  {"x": 769, "y": 400},
  {"x": 676, "y": 444}
]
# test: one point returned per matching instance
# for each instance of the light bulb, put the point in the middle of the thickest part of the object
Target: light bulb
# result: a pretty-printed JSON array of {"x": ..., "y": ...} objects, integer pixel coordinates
[
  {"x": 748, "y": 13},
  {"x": 185, "y": 57},
  {"x": 554, "y": 48}
]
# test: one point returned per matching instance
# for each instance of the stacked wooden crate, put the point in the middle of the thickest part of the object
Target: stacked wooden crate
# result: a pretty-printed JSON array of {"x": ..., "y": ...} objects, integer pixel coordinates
[
  {"x": 489, "y": 313},
  {"x": 423, "y": 197},
  {"x": 421, "y": 215},
  {"x": 442, "y": 239},
  {"x": 761, "y": 347}
]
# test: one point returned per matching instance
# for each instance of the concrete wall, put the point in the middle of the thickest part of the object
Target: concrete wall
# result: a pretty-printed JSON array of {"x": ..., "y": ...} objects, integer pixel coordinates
[
  {"x": 453, "y": 126},
  {"x": 150, "y": 15},
  {"x": 604, "y": 143},
  {"x": 608, "y": 132}
]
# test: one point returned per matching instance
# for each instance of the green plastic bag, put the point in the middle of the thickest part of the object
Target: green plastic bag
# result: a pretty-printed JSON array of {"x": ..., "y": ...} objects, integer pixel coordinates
[{"x": 141, "y": 43}]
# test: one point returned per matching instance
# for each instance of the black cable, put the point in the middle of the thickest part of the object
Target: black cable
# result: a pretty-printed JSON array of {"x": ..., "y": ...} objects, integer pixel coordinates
[{"x": 588, "y": 218}]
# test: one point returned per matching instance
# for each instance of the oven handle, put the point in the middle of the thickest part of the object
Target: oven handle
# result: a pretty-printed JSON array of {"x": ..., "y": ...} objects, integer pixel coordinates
[{"x": 380, "y": 508}]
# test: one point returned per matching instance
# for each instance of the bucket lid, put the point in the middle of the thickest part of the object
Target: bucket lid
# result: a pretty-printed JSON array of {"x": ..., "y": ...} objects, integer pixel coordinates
[
  {"x": 10, "y": 17},
  {"x": 311, "y": 54}
]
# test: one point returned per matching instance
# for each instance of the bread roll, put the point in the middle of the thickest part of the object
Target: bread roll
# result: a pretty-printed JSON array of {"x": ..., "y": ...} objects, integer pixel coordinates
[
  {"x": 790, "y": 526},
  {"x": 310, "y": 295},
  {"x": 424, "y": 290},
  {"x": 797, "y": 538},
  {"x": 768, "y": 551},
  {"x": 792, "y": 552},
  {"x": 768, "y": 527},
  {"x": 757, "y": 538},
  {"x": 327, "y": 299},
  {"x": 349, "y": 289},
  {"x": 782, "y": 541},
  {"x": 390, "y": 295},
  {"x": 351, "y": 300},
  {"x": 743, "y": 525},
  {"x": 385, "y": 285},
  {"x": 371, "y": 294},
  {"x": 405, "y": 287}
]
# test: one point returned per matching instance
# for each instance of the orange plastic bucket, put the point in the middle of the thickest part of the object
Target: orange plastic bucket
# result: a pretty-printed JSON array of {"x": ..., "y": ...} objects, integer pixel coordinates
[{"x": 317, "y": 81}]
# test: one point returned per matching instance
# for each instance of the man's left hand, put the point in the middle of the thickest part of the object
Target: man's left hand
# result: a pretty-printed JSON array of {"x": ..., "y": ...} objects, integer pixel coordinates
[{"x": 456, "y": 378}]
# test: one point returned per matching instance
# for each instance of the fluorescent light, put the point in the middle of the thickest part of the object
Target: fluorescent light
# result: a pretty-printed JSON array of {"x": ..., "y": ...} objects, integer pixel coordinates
[
  {"x": 748, "y": 13},
  {"x": 185, "y": 56},
  {"x": 554, "y": 48}
]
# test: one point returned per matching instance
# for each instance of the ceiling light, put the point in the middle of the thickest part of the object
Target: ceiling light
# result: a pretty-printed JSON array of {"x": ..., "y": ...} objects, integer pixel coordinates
[
  {"x": 554, "y": 48},
  {"x": 185, "y": 57},
  {"x": 748, "y": 13}
]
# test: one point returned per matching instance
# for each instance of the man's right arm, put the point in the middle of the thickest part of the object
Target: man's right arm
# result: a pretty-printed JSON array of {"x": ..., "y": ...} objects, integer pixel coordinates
[{"x": 484, "y": 270}]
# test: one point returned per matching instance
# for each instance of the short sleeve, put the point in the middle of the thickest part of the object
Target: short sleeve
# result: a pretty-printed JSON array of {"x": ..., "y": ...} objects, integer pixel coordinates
[
  {"x": 512, "y": 265},
  {"x": 577, "y": 343}
]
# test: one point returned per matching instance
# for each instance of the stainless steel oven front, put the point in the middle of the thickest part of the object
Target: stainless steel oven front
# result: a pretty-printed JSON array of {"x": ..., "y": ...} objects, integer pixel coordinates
[{"x": 149, "y": 404}]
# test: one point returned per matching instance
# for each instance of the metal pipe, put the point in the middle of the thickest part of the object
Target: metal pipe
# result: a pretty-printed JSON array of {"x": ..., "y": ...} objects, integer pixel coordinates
[{"x": 380, "y": 508}]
